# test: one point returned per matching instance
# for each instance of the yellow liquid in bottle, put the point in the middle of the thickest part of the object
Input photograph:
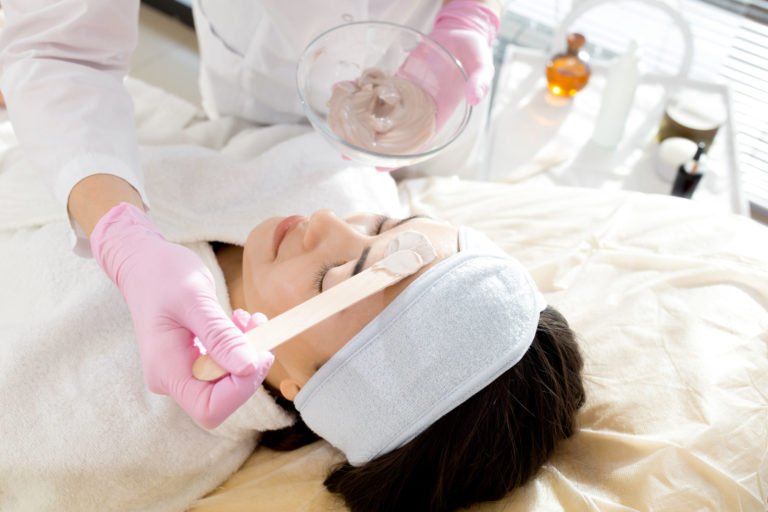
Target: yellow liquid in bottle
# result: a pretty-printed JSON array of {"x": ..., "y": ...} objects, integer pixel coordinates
[{"x": 568, "y": 73}]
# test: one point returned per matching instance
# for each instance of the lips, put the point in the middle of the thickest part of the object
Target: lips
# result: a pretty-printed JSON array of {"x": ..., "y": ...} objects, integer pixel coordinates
[{"x": 282, "y": 229}]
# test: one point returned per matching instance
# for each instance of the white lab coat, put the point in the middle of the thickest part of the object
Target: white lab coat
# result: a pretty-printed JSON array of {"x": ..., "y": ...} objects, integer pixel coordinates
[
  {"x": 61, "y": 70},
  {"x": 250, "y": 48},
  {"x": 62, "y": 64}
]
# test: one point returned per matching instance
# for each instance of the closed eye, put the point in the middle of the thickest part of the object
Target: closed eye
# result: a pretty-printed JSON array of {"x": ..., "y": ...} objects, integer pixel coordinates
[
  {"x": 320, "y": 274},
  {"x": 381, "y": 220}
]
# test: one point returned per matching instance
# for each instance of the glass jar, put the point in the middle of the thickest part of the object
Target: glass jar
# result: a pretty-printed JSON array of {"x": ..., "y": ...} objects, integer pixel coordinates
[{"x": 568, "y": 72}]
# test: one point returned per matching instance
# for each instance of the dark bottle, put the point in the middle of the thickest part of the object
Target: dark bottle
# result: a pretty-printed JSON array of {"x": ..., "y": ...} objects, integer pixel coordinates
[
  {"x": 688, "y": 175},
  {"x": 568, "y": 73}
]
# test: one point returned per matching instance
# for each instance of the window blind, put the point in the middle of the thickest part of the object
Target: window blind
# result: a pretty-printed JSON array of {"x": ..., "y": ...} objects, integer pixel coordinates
[{"x": 754, "y": 10}]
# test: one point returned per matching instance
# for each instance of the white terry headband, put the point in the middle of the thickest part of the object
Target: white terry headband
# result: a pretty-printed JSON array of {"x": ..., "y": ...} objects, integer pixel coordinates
[{"x": 448, "y": 335}]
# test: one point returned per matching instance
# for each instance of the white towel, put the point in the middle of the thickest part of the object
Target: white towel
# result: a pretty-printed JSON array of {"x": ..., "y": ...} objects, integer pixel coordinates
[{"x": 80, "y": 431}]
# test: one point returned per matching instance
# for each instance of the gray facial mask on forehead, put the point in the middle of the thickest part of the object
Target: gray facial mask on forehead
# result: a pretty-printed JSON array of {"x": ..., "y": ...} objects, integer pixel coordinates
[{"x": 449, "y": 334}]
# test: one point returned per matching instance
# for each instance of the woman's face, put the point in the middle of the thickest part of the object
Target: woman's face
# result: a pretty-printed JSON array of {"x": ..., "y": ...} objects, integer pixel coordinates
[{"x": 288, "y": 260}]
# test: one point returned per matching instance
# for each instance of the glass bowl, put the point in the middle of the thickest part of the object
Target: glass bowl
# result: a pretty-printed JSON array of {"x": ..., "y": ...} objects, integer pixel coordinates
[{"x": 344, "y": 52}]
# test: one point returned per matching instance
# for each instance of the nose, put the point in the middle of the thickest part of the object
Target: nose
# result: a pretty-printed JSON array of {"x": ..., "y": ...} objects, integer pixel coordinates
[{"x": 325, "y": 227}]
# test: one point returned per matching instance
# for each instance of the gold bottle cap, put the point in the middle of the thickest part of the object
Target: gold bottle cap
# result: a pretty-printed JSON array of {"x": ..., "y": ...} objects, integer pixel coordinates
[{"x": 575, "y": 41}]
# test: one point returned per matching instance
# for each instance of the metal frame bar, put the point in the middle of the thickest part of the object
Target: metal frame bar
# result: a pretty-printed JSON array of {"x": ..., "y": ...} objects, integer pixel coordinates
[{"x": 174, "y": 8}]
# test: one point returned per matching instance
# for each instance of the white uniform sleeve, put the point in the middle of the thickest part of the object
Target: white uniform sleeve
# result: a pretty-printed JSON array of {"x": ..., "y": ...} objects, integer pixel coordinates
[{"x": 62, "y": 65}]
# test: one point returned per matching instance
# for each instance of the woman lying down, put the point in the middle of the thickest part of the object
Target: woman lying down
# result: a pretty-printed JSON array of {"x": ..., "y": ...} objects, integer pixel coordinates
[{"x": 451, "y": 387}]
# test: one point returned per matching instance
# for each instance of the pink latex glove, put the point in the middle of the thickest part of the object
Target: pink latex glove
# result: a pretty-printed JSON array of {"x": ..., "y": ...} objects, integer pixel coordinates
[
  {"x": 245, "y": 321},
  {"x": 466, "y": 28},
  {"x": 172, "y": 299}
]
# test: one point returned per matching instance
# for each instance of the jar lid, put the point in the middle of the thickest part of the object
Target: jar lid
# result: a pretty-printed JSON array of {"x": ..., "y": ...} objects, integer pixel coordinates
[
  {"x": 671, "y": 154},
  {"x": 697, "y": 110}
]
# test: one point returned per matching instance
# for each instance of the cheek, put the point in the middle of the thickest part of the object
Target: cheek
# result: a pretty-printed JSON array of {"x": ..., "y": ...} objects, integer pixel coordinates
[
  {"x": 258, "y": 240},
  {"x": 273, "y": 290}
]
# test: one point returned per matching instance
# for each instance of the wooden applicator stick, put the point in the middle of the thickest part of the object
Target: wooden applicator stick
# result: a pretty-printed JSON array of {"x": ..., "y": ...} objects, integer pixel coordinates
[{"x": 293, "y": 322}]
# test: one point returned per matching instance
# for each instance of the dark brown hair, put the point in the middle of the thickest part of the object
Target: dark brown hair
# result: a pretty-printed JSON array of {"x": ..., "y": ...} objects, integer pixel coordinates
[{"x": 491, "y": 444}]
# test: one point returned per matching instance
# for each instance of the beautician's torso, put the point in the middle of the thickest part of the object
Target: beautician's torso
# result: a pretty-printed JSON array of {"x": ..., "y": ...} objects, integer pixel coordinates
[{"x": 250, "y": 48}]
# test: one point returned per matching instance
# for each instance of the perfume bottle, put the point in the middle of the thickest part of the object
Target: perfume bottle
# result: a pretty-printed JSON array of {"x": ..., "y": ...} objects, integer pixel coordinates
[{"x": 568, "y": 72}]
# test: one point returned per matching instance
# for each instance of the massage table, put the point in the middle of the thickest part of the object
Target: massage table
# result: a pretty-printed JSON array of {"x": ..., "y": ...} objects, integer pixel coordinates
[
  {"x": 669, "y": 300},
  {"x": 670, "y": 303}
]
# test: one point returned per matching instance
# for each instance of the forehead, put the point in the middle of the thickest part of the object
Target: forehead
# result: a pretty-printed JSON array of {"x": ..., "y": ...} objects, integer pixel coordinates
[{"x": 442, "y": 235}]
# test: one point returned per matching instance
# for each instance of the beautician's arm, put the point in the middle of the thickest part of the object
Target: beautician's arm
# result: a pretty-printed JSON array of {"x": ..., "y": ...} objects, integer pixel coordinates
[
  {"x": 63, "y": 64},
  {"x": 92, "y": 197}
]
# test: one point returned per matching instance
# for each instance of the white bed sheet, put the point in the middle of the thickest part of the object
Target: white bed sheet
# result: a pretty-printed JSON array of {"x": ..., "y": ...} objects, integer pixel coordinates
[{"x": 670, "y": 302}]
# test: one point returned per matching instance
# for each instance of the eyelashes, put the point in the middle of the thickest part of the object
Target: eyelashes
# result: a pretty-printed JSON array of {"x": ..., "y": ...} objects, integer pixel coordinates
[{"x": 320, "y": 274}]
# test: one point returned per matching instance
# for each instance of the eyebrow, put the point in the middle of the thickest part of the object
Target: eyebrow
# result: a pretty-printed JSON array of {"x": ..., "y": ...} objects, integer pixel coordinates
[{"x": 360, "y": 263}]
